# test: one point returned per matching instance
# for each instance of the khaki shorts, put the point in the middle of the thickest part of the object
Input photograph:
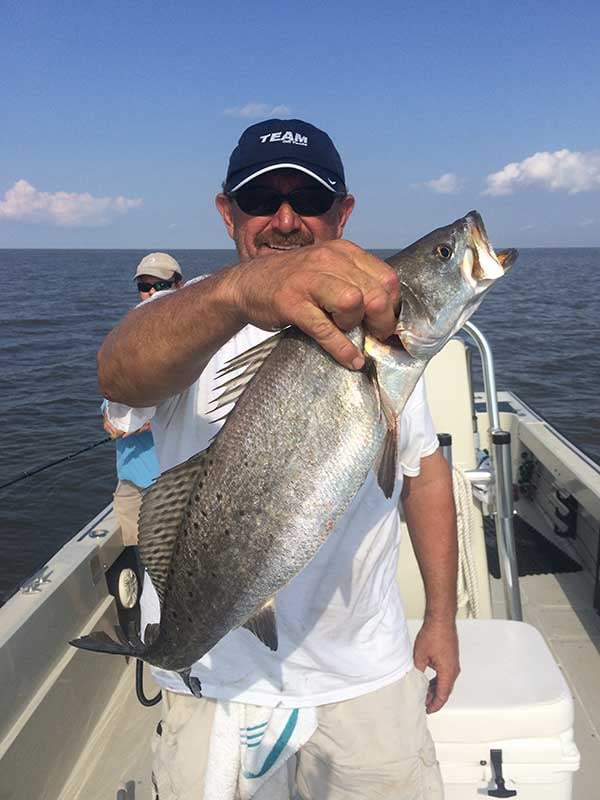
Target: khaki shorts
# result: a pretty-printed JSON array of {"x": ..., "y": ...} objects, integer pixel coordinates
[
  {"x": 127, "y": 500},
  {"x": 375, "y": 747}
]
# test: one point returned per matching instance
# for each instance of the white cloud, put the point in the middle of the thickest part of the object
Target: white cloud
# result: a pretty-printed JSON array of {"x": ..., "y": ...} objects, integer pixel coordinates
[
  {"x": 570, "y": 171},
  {"x": 585, "y": 222},
  {"x": 255, "y": 110},
  {"x": 24, "y": 202},
  {"x": 448, "y": 183}
]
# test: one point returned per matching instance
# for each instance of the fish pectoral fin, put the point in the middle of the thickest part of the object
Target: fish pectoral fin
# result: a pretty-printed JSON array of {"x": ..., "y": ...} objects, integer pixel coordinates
[
  {"x": 263, "y": 624},
  {"x": 387, "y": 461},
  {"x": 192, "y": 683},
  {"x": 370, "y": 369}
]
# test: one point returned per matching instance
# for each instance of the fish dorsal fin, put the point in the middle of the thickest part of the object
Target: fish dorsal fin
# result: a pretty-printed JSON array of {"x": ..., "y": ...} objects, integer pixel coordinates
[
  {"x": 161, "y": 515},
  {"x": 260, "y": 351},
  {"x": 387, "y": 461},
  {"x": 263, "y": 624},
  {"x": 234, "y": 387},
  {"x": 250, "y": 361}
]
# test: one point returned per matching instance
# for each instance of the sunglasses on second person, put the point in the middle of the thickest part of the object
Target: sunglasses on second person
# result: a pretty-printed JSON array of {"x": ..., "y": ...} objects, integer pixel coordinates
[
  {"x": 263, "y": 201},
  {"x": 158, "y": 286}
]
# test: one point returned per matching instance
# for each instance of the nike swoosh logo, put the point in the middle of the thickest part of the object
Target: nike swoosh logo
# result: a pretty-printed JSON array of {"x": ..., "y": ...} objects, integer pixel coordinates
[{"x": 333, "y": 183}]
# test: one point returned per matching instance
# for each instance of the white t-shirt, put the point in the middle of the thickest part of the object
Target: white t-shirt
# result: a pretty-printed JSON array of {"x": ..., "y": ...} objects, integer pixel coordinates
[{"x": 340, "y": 621}]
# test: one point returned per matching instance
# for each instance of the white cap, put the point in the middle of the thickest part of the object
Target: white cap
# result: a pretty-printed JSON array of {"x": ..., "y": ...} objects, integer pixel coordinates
[{"x": 161, "y": 265}]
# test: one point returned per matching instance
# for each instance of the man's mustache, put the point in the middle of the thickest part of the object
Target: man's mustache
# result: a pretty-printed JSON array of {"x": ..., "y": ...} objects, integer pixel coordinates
[{"x": 294, "y": 239}]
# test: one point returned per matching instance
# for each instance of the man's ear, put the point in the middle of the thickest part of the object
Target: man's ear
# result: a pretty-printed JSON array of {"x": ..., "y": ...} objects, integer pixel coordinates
[
  {"x": 345, "y": 209},
  {"x": 223, "y": 204}
]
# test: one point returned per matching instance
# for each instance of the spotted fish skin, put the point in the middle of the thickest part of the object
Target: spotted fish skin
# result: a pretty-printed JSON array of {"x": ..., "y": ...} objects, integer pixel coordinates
[
  {"x": 274, "y": 483},
  {"x": 223, "y": 532}
]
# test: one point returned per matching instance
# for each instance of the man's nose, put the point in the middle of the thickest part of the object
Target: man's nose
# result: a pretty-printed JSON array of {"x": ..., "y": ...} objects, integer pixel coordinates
[
  {"x": 152, "y": 291},
  {"x": 285, "y": 219}
]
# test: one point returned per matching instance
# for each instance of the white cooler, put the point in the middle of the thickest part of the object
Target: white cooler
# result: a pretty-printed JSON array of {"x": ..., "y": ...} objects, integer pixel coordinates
[{"x": 510, "y": 698}]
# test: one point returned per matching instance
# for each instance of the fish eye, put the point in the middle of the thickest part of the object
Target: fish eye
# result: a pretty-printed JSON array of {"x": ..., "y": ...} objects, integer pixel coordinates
[{"x": 444, "y": 251}]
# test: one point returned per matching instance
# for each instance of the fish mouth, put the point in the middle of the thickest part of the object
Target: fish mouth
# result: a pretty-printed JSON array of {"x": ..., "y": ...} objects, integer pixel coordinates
[
  {"x": 507, "y": 257},
  {"x": 481, "y": 264}
]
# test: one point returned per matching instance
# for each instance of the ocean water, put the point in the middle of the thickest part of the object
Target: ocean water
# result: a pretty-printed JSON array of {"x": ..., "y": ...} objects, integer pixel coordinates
[{"x": 56, "y": 306}]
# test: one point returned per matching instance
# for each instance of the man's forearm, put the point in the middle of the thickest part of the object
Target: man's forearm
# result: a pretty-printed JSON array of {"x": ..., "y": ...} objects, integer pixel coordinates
[
  {"x": 431, "y": 517},
  {"x": 430, "y": 514},
  {"x": 161, "y": 347}
]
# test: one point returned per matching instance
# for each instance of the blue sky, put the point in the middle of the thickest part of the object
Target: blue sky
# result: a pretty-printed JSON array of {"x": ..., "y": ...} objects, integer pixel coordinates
[{"x": 118, "y": 118}]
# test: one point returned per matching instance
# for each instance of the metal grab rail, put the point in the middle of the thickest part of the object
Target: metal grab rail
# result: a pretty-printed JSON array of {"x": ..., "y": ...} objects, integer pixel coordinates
[{"x": 501, "y": 469}]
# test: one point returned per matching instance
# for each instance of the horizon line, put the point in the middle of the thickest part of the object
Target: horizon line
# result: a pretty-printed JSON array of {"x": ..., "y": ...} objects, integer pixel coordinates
[{"x": 232, "y": 249}]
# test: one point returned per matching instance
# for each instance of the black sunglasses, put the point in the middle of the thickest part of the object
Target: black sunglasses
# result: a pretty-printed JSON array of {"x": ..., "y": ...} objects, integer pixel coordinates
[
  {"x": 159, "y": 286},
  {"x": 262, "y": 201}
]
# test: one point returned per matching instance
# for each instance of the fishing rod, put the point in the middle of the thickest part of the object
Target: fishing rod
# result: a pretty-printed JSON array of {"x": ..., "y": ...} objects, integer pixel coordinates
[{"x": 30, "y": 472}]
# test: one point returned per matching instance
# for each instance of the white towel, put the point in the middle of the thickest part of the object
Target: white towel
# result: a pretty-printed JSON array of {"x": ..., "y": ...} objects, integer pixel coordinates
[
  {"x": 249, "y": 747},
  {"x": 126, "y": 418}
]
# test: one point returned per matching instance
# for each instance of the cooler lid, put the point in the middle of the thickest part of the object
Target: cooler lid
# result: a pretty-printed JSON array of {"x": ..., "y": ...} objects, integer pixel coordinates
[{"x": 510, "y": 686}]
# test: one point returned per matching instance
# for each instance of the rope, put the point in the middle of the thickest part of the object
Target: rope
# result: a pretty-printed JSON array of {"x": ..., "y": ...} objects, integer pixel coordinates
[{"x": 468, "y": 591}]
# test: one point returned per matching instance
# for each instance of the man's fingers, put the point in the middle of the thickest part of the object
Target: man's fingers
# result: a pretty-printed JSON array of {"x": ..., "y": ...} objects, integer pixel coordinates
[
  {"x": 380, "y": 272},
  {"x": 320, "y": 327},
  {"x": 379, "y": 286},
  {"x": 436, "y": 697},
  {"x": 113, "y": 432},
  {"x": 110, "y": 429},
  {"x": 440, "y": 689},
  {"x": 438, "y": 701},
  {"x": 350, "y": 305},
  {"x": 380, "y": 316},
  {"x": 331, "y": 305},
  {"x": 347, "y": 309},
  {"x": 323, "y": 290}
]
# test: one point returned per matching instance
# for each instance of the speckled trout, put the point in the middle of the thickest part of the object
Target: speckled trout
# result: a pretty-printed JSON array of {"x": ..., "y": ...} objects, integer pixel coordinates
[{"x": 223, "y": 532}]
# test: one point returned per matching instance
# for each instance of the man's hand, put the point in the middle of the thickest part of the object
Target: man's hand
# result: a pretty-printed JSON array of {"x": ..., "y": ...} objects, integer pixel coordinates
[
  {"x": 436, "y": 646},
  {"x": 324, "y": 290},
  {"x": 117, "y": 433},
  {"x": 114, "y": 433}
]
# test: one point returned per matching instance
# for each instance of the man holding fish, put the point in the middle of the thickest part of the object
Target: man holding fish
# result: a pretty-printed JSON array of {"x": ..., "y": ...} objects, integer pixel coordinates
[{"x": 272, "y": 552}]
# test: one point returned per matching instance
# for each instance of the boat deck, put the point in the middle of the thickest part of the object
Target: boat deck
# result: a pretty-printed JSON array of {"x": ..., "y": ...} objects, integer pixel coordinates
[
  {"x": 560, "y": 607},
  {"x": 118, "y": 755}
]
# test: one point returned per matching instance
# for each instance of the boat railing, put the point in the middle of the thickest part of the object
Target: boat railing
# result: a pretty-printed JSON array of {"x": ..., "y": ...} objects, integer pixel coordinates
[{"x": 495, "y": 484}]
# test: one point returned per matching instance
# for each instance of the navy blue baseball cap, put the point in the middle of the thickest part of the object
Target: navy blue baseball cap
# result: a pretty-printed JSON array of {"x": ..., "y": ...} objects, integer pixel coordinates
[{"x": 285, "y": 144}]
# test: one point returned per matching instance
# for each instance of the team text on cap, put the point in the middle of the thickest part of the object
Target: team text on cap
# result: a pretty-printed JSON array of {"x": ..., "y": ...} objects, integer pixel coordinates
[{"x": 287, "y": 137}]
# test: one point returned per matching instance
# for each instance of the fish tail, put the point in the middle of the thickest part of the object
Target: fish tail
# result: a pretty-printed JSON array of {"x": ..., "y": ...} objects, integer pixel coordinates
[{"x": 101, "y": 642}]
